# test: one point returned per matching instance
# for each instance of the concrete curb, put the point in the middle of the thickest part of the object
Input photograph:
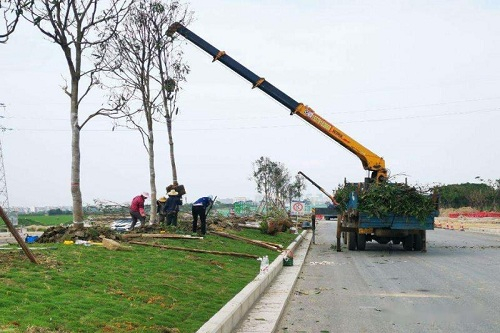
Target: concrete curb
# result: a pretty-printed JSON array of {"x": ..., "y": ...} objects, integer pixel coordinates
[
  {"x": 265, "y": 314},
  {"x": 231, "y": 314}
]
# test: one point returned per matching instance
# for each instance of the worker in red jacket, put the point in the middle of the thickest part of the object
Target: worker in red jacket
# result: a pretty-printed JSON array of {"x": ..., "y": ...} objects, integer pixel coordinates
[{"x": 137, "y": 209}]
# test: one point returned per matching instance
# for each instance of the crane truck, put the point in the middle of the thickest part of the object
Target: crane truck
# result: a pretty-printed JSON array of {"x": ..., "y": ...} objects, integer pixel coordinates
[{"x": 356, "y": 230}]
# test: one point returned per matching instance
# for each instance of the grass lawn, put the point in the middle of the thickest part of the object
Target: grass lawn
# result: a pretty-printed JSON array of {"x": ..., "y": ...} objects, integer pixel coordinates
[
  {"x": 78, "y": 288},
  {"x": 45, "y": 220}
]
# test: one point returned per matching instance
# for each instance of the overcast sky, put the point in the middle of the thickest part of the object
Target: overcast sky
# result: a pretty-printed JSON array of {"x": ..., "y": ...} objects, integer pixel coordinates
[{"x": 416, "y": 82}]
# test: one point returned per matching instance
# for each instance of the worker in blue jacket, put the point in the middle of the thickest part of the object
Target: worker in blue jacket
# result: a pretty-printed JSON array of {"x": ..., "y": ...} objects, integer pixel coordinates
[
  {"x": 199, "y": 208},
  {"x": 171, "y": 208}
]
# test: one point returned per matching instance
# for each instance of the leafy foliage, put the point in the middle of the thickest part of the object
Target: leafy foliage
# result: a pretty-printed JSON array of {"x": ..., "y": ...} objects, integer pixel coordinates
[
  {"x": 482, "y": 196},
  {"x": 385, "y": 199},
  {"x": 58, "y": 211},
  {"x": 274, "y": 221},
  {"x": 342, "y": 195},
  {"x": 274, "y": 182}
]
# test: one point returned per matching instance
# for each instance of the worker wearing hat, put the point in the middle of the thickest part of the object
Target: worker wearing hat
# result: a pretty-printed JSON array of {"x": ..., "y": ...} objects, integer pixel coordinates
[
  {"x": 171, "y": 208},
  {"x": 160, "y": 204},
  {"x": 137, "y": 209}
]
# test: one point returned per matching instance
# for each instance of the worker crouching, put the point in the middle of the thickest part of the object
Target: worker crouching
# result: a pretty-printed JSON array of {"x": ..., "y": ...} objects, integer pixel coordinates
[
  {"x": 137, "y": 209},
  {"x": 199, "y": 208}
]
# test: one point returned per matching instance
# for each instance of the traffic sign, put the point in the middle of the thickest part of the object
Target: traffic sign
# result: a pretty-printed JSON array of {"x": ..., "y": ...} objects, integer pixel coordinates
[{"x": 297, "y": 208}]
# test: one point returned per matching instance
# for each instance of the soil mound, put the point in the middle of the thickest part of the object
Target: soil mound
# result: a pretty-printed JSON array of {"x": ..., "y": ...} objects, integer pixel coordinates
[{"x": 60, "y": 234}]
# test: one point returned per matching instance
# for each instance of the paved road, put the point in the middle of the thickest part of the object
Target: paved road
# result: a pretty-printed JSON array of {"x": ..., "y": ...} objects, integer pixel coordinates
[{"x": 453, "y": 287}]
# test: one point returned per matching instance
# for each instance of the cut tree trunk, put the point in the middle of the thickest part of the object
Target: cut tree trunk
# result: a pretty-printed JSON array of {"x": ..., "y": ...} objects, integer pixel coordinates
[
  {"x": 267, "y": 245},
  {"x": 234, "y": 254}
]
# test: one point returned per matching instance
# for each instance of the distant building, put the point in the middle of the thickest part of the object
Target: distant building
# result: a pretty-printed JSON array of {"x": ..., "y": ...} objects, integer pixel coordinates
[
  {"x": 40, "y": 210},
  {"x": 226, "y": 201},
  {"x": 240, "y": 199}
]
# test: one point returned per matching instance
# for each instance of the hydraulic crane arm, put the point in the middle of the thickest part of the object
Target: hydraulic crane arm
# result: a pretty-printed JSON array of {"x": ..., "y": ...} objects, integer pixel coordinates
[
  {"x": 319, "y": 187},
  {"x": 370, "y": 160}
]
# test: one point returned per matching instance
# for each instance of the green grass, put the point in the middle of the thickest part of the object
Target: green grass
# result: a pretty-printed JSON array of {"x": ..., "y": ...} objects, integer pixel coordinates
[
  {"x": 44, "y": 220},
  {"x": 91, "y": 289}
]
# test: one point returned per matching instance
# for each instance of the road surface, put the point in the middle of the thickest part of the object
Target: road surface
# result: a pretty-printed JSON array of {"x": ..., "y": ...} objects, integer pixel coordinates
[{"x": 453, "y": 287}]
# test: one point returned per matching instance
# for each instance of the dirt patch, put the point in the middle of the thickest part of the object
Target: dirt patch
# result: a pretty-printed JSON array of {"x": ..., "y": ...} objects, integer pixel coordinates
[
  {"x": 467, "y": 223},
  {"x": 60, "y": 234},
  {"x": 100, "y": 226},
  {"x": 33, "y": 329},
  {"x": 461, "y": 221},
  {"x": 445, "y": 212}
]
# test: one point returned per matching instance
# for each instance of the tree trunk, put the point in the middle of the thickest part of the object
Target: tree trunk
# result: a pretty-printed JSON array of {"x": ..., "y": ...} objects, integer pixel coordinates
[
  {"x": 75, "y": 156},
  {"x": 171, "y": 144},
  {"x": 152, "y": 175}
]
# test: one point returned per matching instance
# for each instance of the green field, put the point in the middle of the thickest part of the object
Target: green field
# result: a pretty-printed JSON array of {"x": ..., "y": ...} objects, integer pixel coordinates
[
  {"x": 45, "y": 220},
  {"x": 78, "y": 288}
]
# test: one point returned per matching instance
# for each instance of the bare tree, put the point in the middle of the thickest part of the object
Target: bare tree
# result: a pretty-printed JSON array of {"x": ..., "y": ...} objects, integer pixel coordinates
[
  {"x": 10, "y": 11},
  {"x": 76, "y": 26},
  {"x": 145, "y": 71},
  {"x": 172, "y": 69}
]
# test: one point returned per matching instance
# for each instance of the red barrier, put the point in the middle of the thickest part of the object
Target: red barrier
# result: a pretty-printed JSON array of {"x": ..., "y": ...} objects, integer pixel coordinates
[{"x": 474, "y": 214}]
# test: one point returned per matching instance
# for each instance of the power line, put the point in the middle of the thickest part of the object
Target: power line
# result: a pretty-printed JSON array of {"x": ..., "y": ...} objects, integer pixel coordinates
[
  {"x": 458, "y": 113},
  {"x": 322, "y": 113}
]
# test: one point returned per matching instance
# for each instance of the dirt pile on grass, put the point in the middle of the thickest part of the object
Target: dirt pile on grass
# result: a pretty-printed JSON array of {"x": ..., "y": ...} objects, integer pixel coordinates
[
  {"x": 217, "y": 223},
  {"x": 104, "y": 220},
  {"x": 101, "y": 227},
  {"x": 60, "y": 234}
]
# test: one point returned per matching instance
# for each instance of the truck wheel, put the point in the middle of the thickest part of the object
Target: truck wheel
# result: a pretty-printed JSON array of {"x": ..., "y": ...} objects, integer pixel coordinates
[
  {"x": 408, "y": 243},
  {"x": 351, "y": 241},
  {"x": 361, "y": 242},
  {"x": 418, "y": 242}
]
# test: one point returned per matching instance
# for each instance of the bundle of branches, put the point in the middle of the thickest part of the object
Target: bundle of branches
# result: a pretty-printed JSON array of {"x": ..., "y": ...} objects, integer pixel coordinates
[{"x": 384, "y": 199}]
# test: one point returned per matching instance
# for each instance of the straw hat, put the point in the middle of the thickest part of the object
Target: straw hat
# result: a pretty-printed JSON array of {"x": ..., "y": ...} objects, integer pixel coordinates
[
  {"x": 172, "y": 192},
  {"x": 162, "y": 199},
  {"x": 145, "y": 194}
]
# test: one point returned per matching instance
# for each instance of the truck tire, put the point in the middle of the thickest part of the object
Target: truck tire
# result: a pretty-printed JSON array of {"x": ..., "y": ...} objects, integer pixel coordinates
[
  {"x": 418, "y": 244},
  {"x": 351, "y": 241},
  {"x": 361, "y": 240},
  {"x": 408, "y": 243}
]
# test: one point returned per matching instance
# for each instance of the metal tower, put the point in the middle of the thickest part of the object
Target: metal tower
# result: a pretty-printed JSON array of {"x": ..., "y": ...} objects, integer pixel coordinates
[{"x": 4, "y": 196}]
